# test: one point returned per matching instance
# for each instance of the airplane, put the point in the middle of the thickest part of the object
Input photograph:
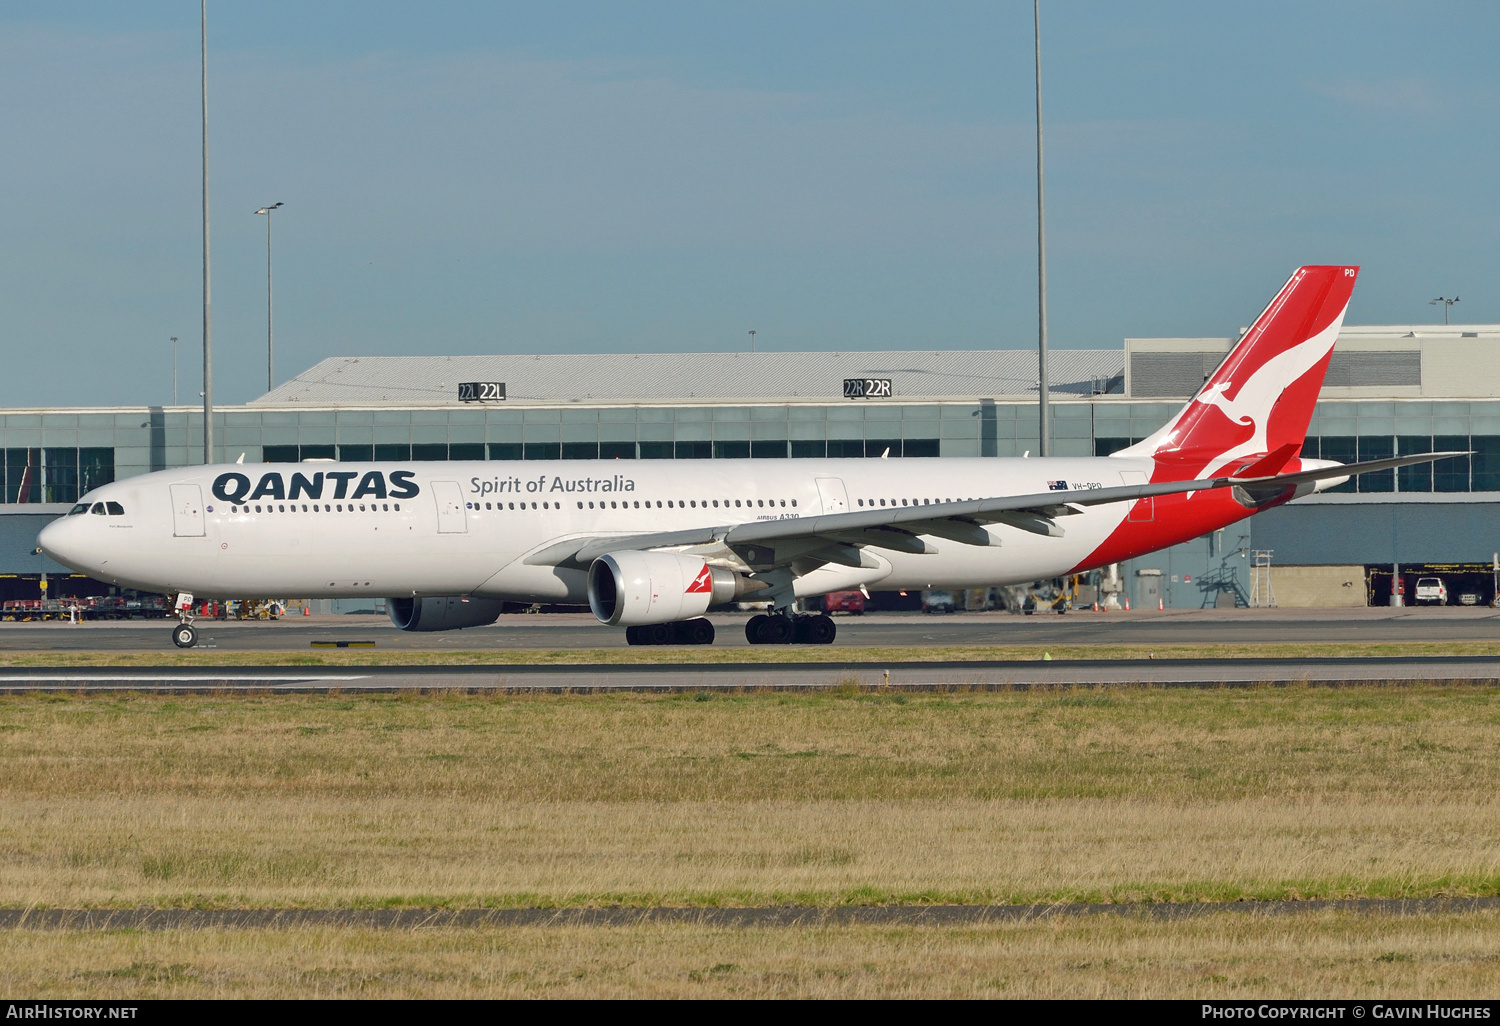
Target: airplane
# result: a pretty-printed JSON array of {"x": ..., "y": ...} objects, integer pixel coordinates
[{"x": 652, "y": 546}]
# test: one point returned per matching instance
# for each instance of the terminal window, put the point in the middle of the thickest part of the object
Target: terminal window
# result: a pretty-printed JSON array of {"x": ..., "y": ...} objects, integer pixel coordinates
[{"x": 56, "y": 474}]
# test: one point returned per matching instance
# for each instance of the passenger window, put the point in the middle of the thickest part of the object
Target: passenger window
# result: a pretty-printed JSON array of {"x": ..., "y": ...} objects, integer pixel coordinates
[
  {"x": 398, "y": 507},
  {"x": 794, "y": 502},
  {"x": 281, "y": 509}
]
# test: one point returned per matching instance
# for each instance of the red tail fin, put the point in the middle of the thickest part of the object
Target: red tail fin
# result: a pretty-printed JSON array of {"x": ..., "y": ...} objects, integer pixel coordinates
[{"x": 1262, "y": 396}]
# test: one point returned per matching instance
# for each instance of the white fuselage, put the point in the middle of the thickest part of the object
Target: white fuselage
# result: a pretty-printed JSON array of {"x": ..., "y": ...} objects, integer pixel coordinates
[{"x": 468, "y": 527}]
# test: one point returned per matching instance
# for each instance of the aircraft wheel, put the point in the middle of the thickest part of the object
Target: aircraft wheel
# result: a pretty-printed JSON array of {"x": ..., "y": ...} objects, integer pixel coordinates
[
  {"x": 632, "y": 636},
  {"x": 820, "y": 630},
  {"x": 184, "y": 635},
  {"x": 777, "y": 630},
  {"x": 695, "y": 632},
  {"x": 656, "y": 634},
  {"x": 752, "y": 629}
]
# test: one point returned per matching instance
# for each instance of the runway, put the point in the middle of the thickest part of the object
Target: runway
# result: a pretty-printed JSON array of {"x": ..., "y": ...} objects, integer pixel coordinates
[
  {"x": 803, "y": 677},
  {"x": 887, "y": 630}
]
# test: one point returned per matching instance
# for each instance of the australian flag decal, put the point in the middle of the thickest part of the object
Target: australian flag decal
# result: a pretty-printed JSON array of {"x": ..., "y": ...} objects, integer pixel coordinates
[{"x": 1057, "y": 486}]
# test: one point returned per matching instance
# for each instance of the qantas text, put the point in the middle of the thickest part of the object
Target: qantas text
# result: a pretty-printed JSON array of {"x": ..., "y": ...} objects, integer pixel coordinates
[{"x": 235, "y": 488}]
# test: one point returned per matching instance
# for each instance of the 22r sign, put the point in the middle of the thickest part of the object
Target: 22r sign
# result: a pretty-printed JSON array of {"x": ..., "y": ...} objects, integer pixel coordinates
[{"x": 867, "y": 388}]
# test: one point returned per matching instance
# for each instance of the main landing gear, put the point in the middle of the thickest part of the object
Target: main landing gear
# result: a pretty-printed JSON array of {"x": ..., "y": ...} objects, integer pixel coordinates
[
  {"x": 697, "y": 631},
  {"x": 780, "y": 629}
]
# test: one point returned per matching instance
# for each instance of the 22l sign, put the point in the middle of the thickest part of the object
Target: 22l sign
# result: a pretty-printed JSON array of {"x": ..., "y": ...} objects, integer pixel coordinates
[{"x": 480, "y": 391}]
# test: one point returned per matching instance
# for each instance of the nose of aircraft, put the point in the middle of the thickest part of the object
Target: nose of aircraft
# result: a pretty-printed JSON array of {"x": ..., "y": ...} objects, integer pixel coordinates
[{"x": 63, "y": 541}]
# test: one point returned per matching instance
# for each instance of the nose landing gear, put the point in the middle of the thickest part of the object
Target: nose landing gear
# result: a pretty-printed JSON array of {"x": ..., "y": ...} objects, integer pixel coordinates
[{"x": 184, "y": 635}]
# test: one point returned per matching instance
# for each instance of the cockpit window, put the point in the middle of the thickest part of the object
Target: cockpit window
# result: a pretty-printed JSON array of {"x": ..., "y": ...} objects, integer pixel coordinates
[
  {"x": 82, "y": 507},
  {"x": 115, "y": 509},
  {"x": 98, "y": 509}
]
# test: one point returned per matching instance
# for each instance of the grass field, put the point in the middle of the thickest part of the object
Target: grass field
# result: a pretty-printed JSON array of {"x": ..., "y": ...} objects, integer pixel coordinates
[
  {"x": 408, "y": 652},
  {"x": 1118, "y": 794},
  {"x": 1224, "y": 956},
  {"x": 1110, "y": 795}
]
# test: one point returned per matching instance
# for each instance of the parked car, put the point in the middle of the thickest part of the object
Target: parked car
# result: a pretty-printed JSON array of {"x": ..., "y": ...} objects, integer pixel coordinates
[
  {"x": 938, "y": 601},
  {"x": 1432, "y": 589},
  {"x": 850, "y": 602}
]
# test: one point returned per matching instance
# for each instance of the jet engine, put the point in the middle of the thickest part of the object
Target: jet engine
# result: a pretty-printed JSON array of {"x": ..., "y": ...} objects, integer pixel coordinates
[
  {"x": 630, "y": 588},
  {"x": 443, "y": 613}
]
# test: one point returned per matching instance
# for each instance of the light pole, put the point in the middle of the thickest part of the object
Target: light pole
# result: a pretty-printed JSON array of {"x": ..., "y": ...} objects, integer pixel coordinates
[
  {"x": 208, "y": 322},
  {"x": 270, "y": 350},
  {"x": 1447, "y": 305},
  {"x": 1044, "y": 438},
  {"x": 174, "y": 370},
  {"x": 752, "y": 340}
]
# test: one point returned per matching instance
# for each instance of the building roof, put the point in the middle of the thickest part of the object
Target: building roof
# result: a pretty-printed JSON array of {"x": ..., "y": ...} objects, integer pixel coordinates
[{"x": 696, "y": 377}]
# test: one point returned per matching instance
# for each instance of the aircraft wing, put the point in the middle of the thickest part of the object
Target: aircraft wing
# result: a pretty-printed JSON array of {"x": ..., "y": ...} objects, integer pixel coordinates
[{"x": 836, "y": 537}]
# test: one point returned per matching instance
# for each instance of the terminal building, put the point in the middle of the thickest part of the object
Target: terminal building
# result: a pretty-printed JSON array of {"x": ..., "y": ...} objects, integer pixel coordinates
[{"x": 1390, "y": 390}]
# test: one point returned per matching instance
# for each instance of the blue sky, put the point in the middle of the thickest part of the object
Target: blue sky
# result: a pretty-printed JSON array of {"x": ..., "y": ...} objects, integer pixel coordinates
[{"x": 577, "y": 177}]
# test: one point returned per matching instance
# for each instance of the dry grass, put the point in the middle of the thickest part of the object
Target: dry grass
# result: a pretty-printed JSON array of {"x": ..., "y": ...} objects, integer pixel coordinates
[
  {"x": 1224, "y": 956},
  {"x": 404, "y": 652},
  {"x": 1120, "y": 794}
]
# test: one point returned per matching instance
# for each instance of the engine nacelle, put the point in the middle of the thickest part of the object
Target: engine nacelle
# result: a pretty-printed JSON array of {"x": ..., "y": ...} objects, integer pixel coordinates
[
  {"x": 631, "y": 587},
  {"x": 442, "y": 613}
]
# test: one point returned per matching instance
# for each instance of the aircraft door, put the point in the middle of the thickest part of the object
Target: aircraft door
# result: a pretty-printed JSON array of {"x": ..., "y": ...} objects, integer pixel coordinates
[
  {"x": 1143, "y": 509},
  {"x": 835, "y": 498},
  {"x": 450, "y": 507},
  {"x": 187, "y": 511}
]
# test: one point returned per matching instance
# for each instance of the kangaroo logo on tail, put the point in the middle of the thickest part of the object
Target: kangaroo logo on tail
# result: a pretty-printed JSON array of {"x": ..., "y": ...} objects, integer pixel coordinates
[{"x": 1252, "y": 404}]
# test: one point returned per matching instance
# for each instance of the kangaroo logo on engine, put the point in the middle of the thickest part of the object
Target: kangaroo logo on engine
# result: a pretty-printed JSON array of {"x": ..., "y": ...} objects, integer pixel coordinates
[
  {"x": 704, "y": 582},
  {"x": 235, "y": 488}
]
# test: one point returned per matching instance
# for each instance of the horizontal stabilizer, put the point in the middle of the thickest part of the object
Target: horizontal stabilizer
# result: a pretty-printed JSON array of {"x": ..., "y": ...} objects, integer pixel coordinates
[{"x": 1270, "y": 463}]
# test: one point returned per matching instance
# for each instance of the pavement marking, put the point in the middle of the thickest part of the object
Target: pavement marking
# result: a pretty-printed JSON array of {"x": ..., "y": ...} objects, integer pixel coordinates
[
  {"x": 751, "y": 917},
  {"x": 147, "y": 678}
]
